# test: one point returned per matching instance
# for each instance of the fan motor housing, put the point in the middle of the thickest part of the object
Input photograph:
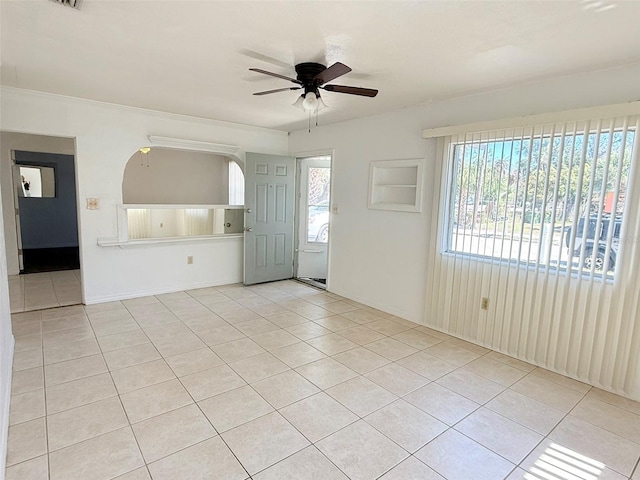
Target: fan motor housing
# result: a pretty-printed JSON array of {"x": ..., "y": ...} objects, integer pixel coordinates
[{"x": 307, "y": 71}]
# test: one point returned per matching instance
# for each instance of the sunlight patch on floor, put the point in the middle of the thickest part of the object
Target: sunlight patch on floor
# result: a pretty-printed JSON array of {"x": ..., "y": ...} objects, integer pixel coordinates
[{"x": 561, "y": 463}]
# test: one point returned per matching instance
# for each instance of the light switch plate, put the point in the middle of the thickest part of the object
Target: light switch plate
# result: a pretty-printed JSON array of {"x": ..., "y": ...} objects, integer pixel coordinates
[{"x": 93, "y": 204}]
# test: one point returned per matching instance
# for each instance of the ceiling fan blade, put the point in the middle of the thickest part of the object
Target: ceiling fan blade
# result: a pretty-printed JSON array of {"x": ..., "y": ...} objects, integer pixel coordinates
[
  {"x": 276, "y": 75},
  {"x": 264, "y": 58},
  {"x": 364, "y": 92},
  {"x": 277, "y": 90},
  {"x": 334, "y": 71}
]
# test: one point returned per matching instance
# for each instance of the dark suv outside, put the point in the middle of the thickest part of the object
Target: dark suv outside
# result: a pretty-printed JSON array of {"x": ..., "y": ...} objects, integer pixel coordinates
[{"x": 595, "y": 253}]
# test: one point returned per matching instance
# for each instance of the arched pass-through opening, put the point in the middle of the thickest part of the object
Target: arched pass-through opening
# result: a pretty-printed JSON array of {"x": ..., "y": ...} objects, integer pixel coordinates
[
  {"x": 182, "y": 189},
  {"x": 163, "y": 176},
  {"x": 233, "y": 152}
]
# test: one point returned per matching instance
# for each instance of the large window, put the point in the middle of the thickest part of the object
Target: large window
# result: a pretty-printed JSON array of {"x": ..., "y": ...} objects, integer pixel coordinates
[{"x": 551, "y": 196}]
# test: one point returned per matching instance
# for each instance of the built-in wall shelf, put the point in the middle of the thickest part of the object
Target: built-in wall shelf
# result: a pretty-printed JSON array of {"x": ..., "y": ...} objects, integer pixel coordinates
[{"x": 396, "y": 185}]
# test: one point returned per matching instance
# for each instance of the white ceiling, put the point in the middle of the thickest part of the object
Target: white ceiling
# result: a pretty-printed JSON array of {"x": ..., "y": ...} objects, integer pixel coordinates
[{"x": 193, "y": 57}]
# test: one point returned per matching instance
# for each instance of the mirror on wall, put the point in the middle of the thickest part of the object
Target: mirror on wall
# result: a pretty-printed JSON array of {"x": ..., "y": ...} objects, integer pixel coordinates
[{"x": 35, "y": 181}]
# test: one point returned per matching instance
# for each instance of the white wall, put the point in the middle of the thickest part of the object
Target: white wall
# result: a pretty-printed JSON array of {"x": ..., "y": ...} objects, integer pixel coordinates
[
  {"x": 376, "y": 257},
  {"x": 6, "y": 352},
  {"x": 6, "y": 336},
  {"x": 105, "y": 136},
  {"x": 33, "y": 143},
  {"x": 384, "y": 259},
  {"x": 176, "y": 177}
]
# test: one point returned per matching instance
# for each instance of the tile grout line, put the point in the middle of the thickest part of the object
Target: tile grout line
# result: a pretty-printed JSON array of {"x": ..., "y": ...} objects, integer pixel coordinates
[
  {"x": 212, "y": 426},
  {"x": 360, "y": 418},
  {"x": 547, "y": 436},
  {"x": 275, "y": 410},
  {"x": 636, "y": 468},
  {"x": 504, "y": 388},
  {"x": 112, "y": 379},
  {"x": 544, "y": 437},
  {"x": 126, "y": 415},
  {"x": 46, "y": 409},
  {"x": 203, "y": 413},
  {"x": 445, "y": 387}
]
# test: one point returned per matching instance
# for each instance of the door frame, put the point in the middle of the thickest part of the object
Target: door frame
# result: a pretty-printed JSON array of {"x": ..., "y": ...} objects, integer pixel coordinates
[
  {"x": 30, "y": 141},
  {"x": 16, "y": 209},
  {"x": 298, "y": 156},
  {"x": 17, "y": 215}
]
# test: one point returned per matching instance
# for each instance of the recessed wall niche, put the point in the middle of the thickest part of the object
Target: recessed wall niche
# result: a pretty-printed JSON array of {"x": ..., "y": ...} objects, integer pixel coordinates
[
  {"x": 175, "y": 177},
  {"x": 396, "y": 185}
]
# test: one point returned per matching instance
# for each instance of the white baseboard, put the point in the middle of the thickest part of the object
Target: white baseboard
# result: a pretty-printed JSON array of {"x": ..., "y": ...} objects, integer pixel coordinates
[
  {"x": 6, "y": 401},
  {"x": 376, "y": 304},
  {"x": 159, "y": 291}
]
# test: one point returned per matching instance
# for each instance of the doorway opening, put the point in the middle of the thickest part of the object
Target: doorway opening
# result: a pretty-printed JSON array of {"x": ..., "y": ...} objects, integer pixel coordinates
[
  {"x": 313, "y": 220},
  {"x": 45, "y": 191},
  {"x": 40, "y": 221}
]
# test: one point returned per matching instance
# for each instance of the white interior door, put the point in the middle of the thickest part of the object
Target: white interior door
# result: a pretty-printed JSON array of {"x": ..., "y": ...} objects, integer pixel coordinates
[
  {"x": 269, "y": 222},
  {"x": 314, "y": 176}
]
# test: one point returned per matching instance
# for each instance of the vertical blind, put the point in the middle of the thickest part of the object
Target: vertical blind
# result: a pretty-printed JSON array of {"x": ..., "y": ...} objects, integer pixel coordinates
[
  {"x": 198, "y": 221},
  {"x": 543, "y": 221},
  {"x": 139, "y": 223}
]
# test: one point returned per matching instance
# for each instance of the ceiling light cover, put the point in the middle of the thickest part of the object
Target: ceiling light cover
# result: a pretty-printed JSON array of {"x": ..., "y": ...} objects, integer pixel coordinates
[{"x": 310, "y": 102}]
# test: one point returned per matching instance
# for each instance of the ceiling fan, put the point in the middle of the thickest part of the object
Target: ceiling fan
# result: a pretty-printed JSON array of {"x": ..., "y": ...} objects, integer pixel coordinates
[{"x": 311, "y": 77}]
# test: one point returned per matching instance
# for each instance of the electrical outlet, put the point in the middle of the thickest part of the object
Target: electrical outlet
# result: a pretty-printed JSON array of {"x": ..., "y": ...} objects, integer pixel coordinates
[
  {"x": 484, "y": 304},
  {"x": 335, "y": 209},
  {"x": 189, "y": 260}
]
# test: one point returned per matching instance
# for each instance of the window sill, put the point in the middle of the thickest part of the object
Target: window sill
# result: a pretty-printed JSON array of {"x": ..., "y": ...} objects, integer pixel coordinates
[
  {"x": 114, "y": 242},
  {"x": 525, "y": 266}
]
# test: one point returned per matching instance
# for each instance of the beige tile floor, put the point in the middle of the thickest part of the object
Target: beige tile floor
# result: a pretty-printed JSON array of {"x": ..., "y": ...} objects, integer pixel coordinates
[
  {"x": 282, "y": 381},
  {"x": 35, "y": 291}
]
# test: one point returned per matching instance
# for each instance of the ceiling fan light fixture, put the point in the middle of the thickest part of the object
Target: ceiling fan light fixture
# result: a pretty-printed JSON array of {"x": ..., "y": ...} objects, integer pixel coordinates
[
  {"x": 321, "y": 104},
  {"x": 298, "y": 102},
  {"x": 311, "y": 77},
  {"x": 310, "y": 102}
]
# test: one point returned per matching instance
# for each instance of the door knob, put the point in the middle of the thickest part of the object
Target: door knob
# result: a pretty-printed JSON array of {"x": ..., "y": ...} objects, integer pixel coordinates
[
  {"x": 248, "y": 229},
  {"x": 248, "y": 210}
]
